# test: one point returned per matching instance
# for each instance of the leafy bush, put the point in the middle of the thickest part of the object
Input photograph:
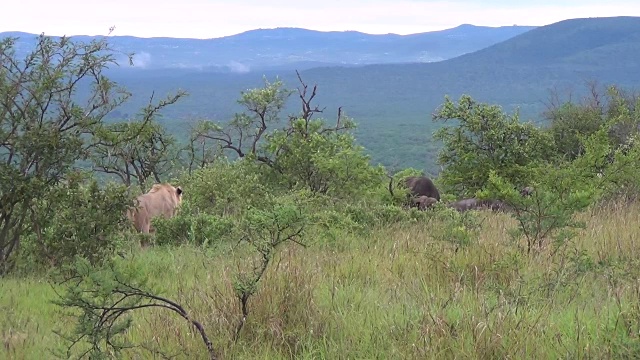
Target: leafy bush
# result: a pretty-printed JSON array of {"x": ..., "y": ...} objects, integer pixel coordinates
[
  {"x": 324, "y": 162},
  {"x": 77, "y": 218},
  {"x": 194, "y": 228},
  {"x": 225, "y": 188},
  {"x": 547, "y": 214},
  {"x": 610, "y": 167},
  {"x": 569, "y": 123},
  {"x": 572, "y": 122},
  {"x": 485, "y": 140}
]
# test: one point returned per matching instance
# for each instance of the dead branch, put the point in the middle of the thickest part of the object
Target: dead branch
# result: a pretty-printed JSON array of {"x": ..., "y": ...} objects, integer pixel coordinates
[{"x": 307, "y": 110}]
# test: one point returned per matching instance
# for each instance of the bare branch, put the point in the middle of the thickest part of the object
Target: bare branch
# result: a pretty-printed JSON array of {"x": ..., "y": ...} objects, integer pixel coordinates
[{"x": 307, "y": 110}]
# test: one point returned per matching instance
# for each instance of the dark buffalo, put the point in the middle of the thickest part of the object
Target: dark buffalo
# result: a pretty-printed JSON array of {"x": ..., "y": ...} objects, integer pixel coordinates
[
  {"x": 527, "y": 191},
  {"x": 423, "y": 202},
  {"x": 477, "y": 204},
  {"x": 422, "y": 186}
]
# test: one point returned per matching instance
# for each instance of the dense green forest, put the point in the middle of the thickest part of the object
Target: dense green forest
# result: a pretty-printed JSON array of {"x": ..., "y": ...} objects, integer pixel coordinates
[
  {"x": 288, "y": 241},
  {"x": 393, "y": 103}
]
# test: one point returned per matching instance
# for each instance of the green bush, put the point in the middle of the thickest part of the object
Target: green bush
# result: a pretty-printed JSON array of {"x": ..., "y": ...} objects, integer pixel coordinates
[
  {"x": 548, "y": 215},
  {"x": 76, "y": 219},
  {"x": 193, "y": 228},
  {"x": 225, "y": 188},
  {"x": 572, "y": 122},
  {"x": 323, "y": 162},
  {"x": 483, "y": 140}
]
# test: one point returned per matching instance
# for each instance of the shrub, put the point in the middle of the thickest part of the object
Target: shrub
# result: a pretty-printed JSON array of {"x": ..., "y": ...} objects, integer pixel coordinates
[
  {"x": 547, "y": 214},
  {"x": 485, "y": 140},
  {"x": 196, "y": 228},
  {"x": 78, "y": 218}
]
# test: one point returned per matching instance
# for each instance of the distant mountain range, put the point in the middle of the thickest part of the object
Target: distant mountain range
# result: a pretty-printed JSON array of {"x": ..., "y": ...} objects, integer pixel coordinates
[{"x": 289, "y": 48}]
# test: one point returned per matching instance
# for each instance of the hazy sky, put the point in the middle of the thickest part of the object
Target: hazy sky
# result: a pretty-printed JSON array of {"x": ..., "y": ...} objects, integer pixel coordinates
[{"x": 216, "y": 18}]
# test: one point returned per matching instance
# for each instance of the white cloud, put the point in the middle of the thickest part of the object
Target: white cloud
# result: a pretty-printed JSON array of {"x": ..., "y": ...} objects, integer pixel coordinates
[
  {"x": 237, "y": 67},
  {"x": 214, "y": 18},
  {"x": 141, "y": 59}
]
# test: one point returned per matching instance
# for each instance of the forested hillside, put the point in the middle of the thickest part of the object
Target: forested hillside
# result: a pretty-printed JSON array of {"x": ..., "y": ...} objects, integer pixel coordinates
[{"x": 393, "y": 103}]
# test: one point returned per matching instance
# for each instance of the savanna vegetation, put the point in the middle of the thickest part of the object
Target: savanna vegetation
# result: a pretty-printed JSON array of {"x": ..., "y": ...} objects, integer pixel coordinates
[{"x": 288, "y": 242}]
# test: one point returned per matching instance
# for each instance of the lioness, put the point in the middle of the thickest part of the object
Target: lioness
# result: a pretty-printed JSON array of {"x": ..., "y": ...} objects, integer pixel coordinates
[{"x": 161, "y": 200}]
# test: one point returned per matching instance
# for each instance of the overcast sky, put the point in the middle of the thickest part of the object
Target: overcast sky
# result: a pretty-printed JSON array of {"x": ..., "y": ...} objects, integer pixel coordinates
[{"x": 216, "y": 18}]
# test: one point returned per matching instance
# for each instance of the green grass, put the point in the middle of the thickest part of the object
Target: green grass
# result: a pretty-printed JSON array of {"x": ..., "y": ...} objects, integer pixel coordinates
[
  {"x": 27, "y": 319},
  {"x": 396, "y": 293}
]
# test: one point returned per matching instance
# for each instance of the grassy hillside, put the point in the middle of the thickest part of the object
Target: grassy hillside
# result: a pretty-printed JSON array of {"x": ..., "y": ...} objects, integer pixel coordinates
[
  {"x": 393, "y": 103},
  {"x": 391, "y": 293}
]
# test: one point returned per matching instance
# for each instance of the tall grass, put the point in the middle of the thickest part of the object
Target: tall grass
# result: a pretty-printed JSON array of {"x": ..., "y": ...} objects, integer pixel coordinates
[{"x": 396, "y": 293}]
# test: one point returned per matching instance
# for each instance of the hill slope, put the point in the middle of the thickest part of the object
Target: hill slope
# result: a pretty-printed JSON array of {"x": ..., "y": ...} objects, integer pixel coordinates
[
  {"x": 592, "y": 42},
  {"x": 515, "y": 72},
  {"x": 289, "y": 48},
  {"x": 393, "y": 103}
]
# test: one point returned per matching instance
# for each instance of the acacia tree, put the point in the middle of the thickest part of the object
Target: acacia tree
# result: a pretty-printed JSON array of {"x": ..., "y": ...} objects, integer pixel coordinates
[
  {"x": 243, "y": 134},
  {"x": 265, "y": 231},
  {"x": 139, "y": 150},
  {"x": 45, "y": 123},
  {"x": 201, "y": 151},
  {"x": 546, "y": 216},
  {"x": 305, "y": 152}
]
